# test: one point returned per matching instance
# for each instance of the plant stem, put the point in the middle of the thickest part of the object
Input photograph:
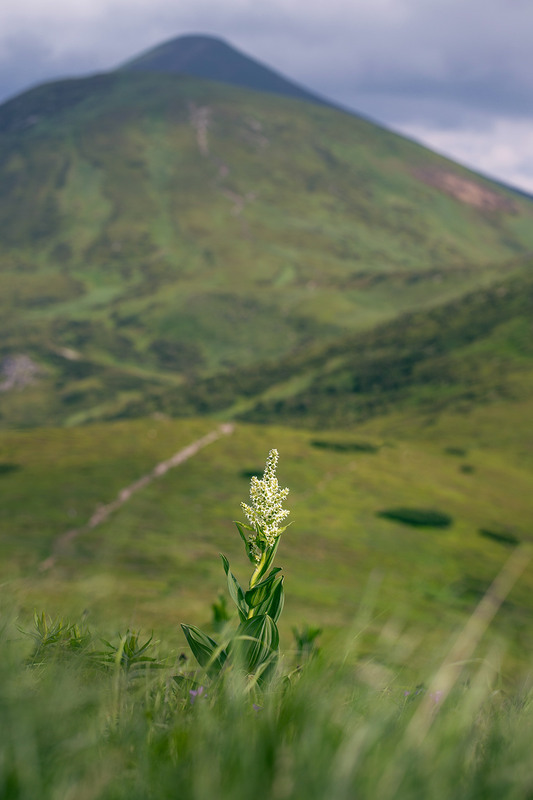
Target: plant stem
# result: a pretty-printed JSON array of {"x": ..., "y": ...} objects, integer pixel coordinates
[{"x": 258, "y": 570}]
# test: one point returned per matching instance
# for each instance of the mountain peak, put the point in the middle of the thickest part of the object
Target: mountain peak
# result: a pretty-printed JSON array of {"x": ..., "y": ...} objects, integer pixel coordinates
[{"x": 209, "y": 57}]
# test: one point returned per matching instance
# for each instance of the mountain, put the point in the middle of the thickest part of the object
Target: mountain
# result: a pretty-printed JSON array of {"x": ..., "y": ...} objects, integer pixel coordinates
[
  {"x": 158, "y": 230},
  {"x": 214, "y": 59}
]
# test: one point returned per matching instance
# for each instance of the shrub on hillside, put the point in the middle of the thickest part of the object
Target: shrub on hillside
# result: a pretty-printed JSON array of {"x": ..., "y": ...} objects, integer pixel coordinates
[
  {"x": 417, "y": 517},
  {"x": 7, "y": 467},
  {"x": 455, "y": 451},
  {"x": 502, "y": 537},
  {"x": 345, "y": 447}
]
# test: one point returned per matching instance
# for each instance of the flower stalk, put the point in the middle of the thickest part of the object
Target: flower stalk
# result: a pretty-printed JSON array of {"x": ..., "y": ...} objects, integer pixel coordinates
[{"x": 255, "y": 645}]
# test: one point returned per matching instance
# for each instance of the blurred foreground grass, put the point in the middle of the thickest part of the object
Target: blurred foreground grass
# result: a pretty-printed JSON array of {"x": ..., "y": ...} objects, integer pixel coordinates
[
  {"x": 343, "y": 726},
  {"x": 410, "y": 698}
]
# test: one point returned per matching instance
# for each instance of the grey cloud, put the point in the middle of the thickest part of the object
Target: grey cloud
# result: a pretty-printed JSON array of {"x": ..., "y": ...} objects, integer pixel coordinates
[
  {"x": 472, "y": 60},
  {"x": 23, "y": 61},
  {"x": 27, "y": 61}
]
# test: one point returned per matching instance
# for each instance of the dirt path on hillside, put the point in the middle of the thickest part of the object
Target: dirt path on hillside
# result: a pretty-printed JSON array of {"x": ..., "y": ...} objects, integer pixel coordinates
[{"x": 104, "y": 511}]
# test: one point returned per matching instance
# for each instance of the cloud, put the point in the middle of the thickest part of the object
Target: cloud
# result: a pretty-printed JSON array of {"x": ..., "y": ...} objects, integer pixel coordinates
[{"x": 474, "y": 54}]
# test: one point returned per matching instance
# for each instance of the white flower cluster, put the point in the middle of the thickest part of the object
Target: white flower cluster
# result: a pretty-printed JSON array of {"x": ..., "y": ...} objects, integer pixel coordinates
[{"x": 266, "y": 512}]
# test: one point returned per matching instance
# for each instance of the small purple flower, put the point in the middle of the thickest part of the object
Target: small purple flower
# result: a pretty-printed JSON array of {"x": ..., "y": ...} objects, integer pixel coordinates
[
  {"x": 436, "y": 696},
  {"x": 406, "y": 693},
  {"x": 194, "y": 693},
  {"x": 257, "y": 708}
]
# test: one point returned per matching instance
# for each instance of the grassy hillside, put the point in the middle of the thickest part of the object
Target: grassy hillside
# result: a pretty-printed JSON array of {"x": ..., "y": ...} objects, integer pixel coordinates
[
  {"x": 461, "y": 354},
  {"x": 157, "y": 229},
  {"x": 155, "y": 561},
  {"x": 469, "y": 352}
]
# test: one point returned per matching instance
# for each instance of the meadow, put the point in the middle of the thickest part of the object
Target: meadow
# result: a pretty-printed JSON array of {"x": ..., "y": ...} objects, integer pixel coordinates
[
  {"x": 143, "y": 565},
  {"x": 404, "y": 666},
  {"x": 386, "y": 707}
]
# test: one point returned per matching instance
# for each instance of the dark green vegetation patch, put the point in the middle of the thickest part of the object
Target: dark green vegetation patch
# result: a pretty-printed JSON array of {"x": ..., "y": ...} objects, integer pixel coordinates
[
  {"x": 417, "y": 517},
  {"x": 455, "y": 451},
  {"x": 500, "y": 536},
  {"x": 345, "y": 447},
  {"x": 250, "y": 473},
  {"x": 6, "y": 468}
]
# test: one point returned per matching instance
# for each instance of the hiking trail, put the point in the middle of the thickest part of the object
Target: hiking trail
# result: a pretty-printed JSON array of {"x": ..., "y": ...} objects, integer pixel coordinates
[{"x": 102, "y": 513}]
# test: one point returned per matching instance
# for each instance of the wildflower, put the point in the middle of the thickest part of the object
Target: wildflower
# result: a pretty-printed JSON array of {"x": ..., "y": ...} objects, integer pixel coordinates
[
  {"x": 255, "y": 645},
  {"x": 194, "y": 693},
  {"x": 266, "y": 512}
]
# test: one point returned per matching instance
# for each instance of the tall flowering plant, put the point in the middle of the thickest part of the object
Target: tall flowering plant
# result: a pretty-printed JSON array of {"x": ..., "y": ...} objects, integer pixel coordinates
[{"x": 255, "y": 645}]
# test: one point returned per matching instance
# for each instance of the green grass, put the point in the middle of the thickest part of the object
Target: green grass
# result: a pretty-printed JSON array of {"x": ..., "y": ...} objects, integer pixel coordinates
[{"x": 76, "y": 726}]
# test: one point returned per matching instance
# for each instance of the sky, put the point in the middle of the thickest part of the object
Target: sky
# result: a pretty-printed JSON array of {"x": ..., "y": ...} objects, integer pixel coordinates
[{"x": 456, "y": 75}]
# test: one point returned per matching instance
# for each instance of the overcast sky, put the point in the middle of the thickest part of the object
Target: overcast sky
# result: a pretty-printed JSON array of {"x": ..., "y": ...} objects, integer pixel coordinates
[{"x": 454, "y": 74}]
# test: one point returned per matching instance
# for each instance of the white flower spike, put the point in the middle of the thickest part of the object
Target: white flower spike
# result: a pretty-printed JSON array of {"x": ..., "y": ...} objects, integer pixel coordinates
[{"x": 266, "y": 512}]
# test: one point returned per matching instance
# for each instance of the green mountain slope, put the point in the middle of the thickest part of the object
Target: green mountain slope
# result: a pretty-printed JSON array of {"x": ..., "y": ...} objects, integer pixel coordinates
[
  {"x": 475, "y": 350},
  {"x": 157, "y": 229},
  {"x": 466, "y": 353}
]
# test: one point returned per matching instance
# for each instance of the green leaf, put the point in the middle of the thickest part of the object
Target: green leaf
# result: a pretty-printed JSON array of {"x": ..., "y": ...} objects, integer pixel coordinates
[
  {"x": 280, "y": 530},
  {"x": 273, "y": 604},
  {"x": 267, "y": 558},
  {"x": 235, "y": 590},
  {"x": 240, "y": 527},
  {"x": 261, "y": 591},
  {"x": 270, "y": 556},
  {"x": 256, "y": 642},
  {"x": 205, "y": 650}
]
